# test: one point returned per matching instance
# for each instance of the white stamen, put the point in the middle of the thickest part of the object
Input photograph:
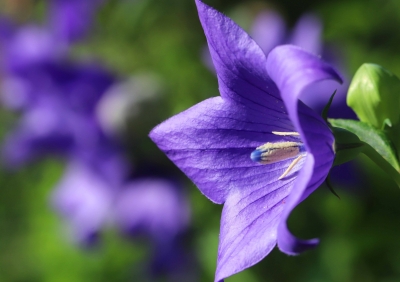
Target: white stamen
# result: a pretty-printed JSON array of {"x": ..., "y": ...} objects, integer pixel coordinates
[
  {"x": 270, "y": 153},
  {"x": 281, "y": 133},
  {"x": 290, "y": 167}
]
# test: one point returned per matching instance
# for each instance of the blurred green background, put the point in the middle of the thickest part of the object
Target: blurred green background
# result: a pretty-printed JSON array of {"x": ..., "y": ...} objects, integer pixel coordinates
[{"x": 359, "y": 232}]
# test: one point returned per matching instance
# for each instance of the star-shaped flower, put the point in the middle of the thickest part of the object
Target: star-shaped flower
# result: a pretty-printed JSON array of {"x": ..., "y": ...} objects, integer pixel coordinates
[{"x": 212, "y": 142}]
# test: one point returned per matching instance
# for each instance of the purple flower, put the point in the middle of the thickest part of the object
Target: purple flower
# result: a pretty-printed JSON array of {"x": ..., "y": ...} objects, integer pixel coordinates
[
  {"x": 212, "y": 142},
  {"x": 269, "y": 30},
  {"x": 26, "y": 46},
  {"x": 89, "y": 198},
  {"x": 85, "y": 195},
  {"x": 72, "y": 19},
  {"x": 7, "y": 29},
  {"x": 59, "y": 103},
  {"x": 154, "y": 207},
  {"x": 157, "y": 209},
  {"x": 84, "y": 198}
]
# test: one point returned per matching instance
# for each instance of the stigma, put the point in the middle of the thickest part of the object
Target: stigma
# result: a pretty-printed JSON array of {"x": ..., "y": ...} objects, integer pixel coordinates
[{"x": 270, "y": 153}]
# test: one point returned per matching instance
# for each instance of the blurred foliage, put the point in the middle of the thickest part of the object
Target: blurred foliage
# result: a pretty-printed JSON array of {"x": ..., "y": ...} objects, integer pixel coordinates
[{"x": 359, "y": 233}]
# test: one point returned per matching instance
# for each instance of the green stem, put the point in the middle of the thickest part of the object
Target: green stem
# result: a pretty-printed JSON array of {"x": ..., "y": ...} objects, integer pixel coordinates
[{"x": 382, "y": 163}]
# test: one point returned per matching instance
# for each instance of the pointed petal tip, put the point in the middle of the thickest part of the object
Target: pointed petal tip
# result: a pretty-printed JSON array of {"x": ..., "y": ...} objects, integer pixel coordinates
[
  {"x": 201, "y": 5},
  {"x": 153, "y": 134}
]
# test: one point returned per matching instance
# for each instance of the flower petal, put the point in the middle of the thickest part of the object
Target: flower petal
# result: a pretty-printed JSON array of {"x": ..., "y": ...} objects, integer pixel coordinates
[
  {"x": 239, "y": 61},
  {"x": 293, "y": 69},
  {"x": 212, "y": 141},
  {"x": 250, "y": 220}
]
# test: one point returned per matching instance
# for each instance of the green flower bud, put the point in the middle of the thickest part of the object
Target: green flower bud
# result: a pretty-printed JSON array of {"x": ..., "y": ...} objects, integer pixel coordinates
[{"x": 374, "y": 94}]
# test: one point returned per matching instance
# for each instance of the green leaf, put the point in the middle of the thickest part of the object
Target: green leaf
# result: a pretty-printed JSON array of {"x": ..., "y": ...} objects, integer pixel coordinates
[
  {"x": 382, "y": 163},
  {"x": 377, "y": 139},
  {"x": 374, "y": 94}
]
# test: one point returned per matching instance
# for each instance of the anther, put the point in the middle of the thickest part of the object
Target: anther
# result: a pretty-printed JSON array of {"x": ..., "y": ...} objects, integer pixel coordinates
[{"x": 270, "y": 153}]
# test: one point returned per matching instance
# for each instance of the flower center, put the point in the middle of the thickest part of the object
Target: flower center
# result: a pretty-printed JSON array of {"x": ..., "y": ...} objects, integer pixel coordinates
[{"x": 270, "y": 153}]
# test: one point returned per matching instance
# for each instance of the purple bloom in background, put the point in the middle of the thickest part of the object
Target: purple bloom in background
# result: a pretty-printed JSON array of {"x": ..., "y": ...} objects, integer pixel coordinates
[
  {"x": 269, "y": 30},
  {"x": 6, "y": 28},
  {"x": 84, "y": 198},
  {"x": 307, "y": 34},
  {"x": 212, "y": 142},
  {"x": 157, "y": 209},
  {"x": 64, "y": 111},
  {"x": 24, "y": 51},
  {"x": 154, "y": 207},
  {"x": 72, "y": 19},
  {"x": 59, "y": 102},
  {"x": 26, "y": 46}
]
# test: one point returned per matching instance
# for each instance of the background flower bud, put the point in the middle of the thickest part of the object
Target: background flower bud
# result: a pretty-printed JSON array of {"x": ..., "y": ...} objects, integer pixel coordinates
[{"x": 374, "y": 95}]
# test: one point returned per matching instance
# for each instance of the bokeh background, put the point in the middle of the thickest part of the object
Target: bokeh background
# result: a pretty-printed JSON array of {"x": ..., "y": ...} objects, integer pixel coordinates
[{"x": 155, "y": 52}]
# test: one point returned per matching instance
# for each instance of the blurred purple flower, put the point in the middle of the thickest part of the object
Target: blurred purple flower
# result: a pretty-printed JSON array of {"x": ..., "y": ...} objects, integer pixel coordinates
[
  {"x": 157, "y": 209},
  {"x": 212, "y": 142},
  {"x": 7, "y": 29},
  {"x": 59, "y": 106},
  {"x": 153, "y": 207},
  {"x": 84, "y": 198},
  {"x": 269, "y": 30},
  {"x": 26, "y": 46},
  {"x": 59, "y": 116},
  {"x": 150, "y": 207},
  {"x": 72, "y": 19},
  {"x": 69, "y": 20}
]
